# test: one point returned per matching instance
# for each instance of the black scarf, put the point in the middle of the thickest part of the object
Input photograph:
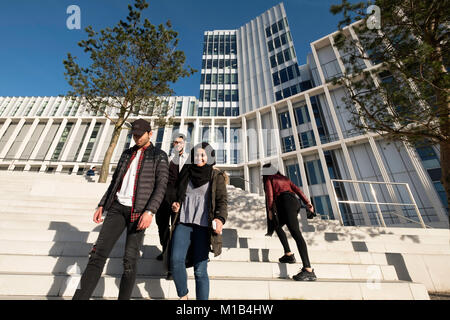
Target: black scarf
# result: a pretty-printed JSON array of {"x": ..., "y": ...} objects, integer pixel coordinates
[{"x": 197, "y": 175}]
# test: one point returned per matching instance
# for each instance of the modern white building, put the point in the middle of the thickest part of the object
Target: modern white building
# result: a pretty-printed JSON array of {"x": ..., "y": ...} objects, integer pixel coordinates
[{"x": 256, "y": 105}]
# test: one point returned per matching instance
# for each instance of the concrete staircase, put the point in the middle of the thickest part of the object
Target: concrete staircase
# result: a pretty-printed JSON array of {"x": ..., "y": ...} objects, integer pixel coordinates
[{"x": 46, "y": 233}]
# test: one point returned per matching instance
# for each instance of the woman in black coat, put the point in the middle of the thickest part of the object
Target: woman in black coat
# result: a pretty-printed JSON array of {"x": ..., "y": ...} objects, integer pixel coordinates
[{"x": 202, "y": 211}]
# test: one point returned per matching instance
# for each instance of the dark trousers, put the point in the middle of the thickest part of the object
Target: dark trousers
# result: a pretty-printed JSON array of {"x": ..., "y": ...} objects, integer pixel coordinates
[
  {"x": 162, "y": 220},
  {"x": 116, "y": 221},
  {"x": 287, "y": 208}
]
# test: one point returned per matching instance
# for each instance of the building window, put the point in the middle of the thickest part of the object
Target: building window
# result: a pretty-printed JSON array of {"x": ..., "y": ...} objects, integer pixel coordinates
[
  {"x": 191, "y": 108},
  {"x": 277, "y": 42},
  {"x": 288, "y": 144},
  {"x": 314, "y": 173},
  {"x": 276, "y": 79},
  {"x": 207, "y": 95},
  {"x": 287, "y": 92},
  {"x": 279, "y": 95},
  {"x": 322, "y": 206},
  {"x": 91, "y": 142},
  {"x": 234, "y": 78},
  {"x": 205, "y": 134},
  {"x": 274, "y": 28},
  {"x": 285, "y": 122},
  {"x": 178, "y": 108},
  {"x": 62, "y": 141},
  {"x": 293, "y": 173},
  {"x": 283, "y": 76},
  {"x": 268, "y": 33},
  {"x": 234, "y": 95},
  {"x": 270, "y": 45},
  {"x": 287, "y": 54},
  {"x": 221, "y": 156},
  {"x": 159, "y": 137},
  {"x": 283, "y": 39},
  {"x": 280, "y": 25},
  {"x": 302, "y": 115},
  {"x": 307, "y": 139},
  {"x": 280, "y": 58},
  {"x": 228, "y": 95},
  {"x": 273, "y": 62}
]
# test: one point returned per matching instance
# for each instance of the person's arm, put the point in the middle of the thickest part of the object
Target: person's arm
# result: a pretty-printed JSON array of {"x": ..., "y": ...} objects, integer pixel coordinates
[
  {"x": 302, "y": 196},
  {"x": 159, "y": 190},
  {"x": 269, "y": 194},
  {"x": 221, "y": 210}
]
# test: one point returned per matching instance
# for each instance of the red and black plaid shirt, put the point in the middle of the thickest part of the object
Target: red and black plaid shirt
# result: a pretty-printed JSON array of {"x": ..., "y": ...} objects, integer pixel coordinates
[{"x": 134, "y": 215}]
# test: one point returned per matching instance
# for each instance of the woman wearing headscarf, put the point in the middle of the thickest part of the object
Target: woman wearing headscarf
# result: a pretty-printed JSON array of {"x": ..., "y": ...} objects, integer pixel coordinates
[
  {"x": 202, "y": 211},
  {"x": 282, "y": 207}
]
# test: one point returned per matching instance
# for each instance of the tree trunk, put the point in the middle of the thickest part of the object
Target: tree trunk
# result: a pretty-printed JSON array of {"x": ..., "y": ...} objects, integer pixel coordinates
[
  {"x": 108, "y": 155},
  {"x": 445, "y": 168}
]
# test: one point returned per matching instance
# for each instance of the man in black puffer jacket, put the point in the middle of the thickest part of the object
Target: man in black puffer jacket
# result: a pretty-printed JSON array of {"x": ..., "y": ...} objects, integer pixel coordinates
[{"x": 136, "y": 191}]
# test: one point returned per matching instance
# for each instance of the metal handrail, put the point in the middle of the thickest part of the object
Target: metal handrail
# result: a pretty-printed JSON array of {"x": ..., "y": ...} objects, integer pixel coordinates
[{"x": 380, "y": 215}]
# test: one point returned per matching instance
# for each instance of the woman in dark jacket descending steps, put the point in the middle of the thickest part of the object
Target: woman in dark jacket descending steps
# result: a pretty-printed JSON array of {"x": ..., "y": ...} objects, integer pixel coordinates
[
  {"x": 282, "y": 207},
  {"x": 202, "y": 207}
]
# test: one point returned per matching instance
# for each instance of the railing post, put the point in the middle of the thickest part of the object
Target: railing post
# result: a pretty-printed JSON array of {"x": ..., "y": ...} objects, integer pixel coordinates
[
  {"x": 415, "y": 207},
  {"x": 378, "y": 206},
  {"x": 337, "y": 202}
]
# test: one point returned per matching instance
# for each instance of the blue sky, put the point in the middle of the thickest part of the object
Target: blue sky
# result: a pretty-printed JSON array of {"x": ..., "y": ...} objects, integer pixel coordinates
[{"x": 35, "y": 39}]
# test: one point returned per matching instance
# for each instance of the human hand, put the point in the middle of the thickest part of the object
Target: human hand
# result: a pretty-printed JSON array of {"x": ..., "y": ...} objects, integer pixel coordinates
[
  {"x": 144, "y": 221},
  {"x": 98, "y": 215},
  {"x": 175, "y": 207},
  {"x": 310, "y": 207},
  {"x": 219, "y": 226}
]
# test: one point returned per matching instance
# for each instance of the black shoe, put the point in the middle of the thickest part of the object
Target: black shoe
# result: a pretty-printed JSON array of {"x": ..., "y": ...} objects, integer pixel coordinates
[
  {"x": 160, "y": 257},
  {"x": 287, "y": 259},
  {"x": 304, "y": 275}
]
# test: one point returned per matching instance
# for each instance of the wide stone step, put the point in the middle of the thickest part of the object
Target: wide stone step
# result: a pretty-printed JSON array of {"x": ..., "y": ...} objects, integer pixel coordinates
[
  {"x": 82, "y": 249},
  {"x": 243, "y": 235},
  {"x": 216, "y": 268},
  {"x": 33, "y": 284},
  {"x": 257, "y": 243},
  {"x": 45, "y": 209},
  {"x": 31, "y": 203}
]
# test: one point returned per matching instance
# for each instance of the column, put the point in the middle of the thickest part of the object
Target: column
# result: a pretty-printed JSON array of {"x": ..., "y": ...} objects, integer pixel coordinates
[
  {"x": 53, "y": 145},
  {"x": 69, "y": 143},
  {"x": 39, "y": 143},
  {"x": 102, "y": 140}
]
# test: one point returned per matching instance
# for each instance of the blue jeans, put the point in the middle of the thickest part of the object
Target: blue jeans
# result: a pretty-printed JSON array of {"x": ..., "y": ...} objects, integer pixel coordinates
[{"x": 183, "y": 237}]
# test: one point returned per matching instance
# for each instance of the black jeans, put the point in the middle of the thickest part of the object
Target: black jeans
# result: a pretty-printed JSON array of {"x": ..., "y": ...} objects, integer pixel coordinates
[
  {"x": 117, "y": 219},
  {"x": 163, "y": 215},
  {"x": 287, "y": 208}
]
